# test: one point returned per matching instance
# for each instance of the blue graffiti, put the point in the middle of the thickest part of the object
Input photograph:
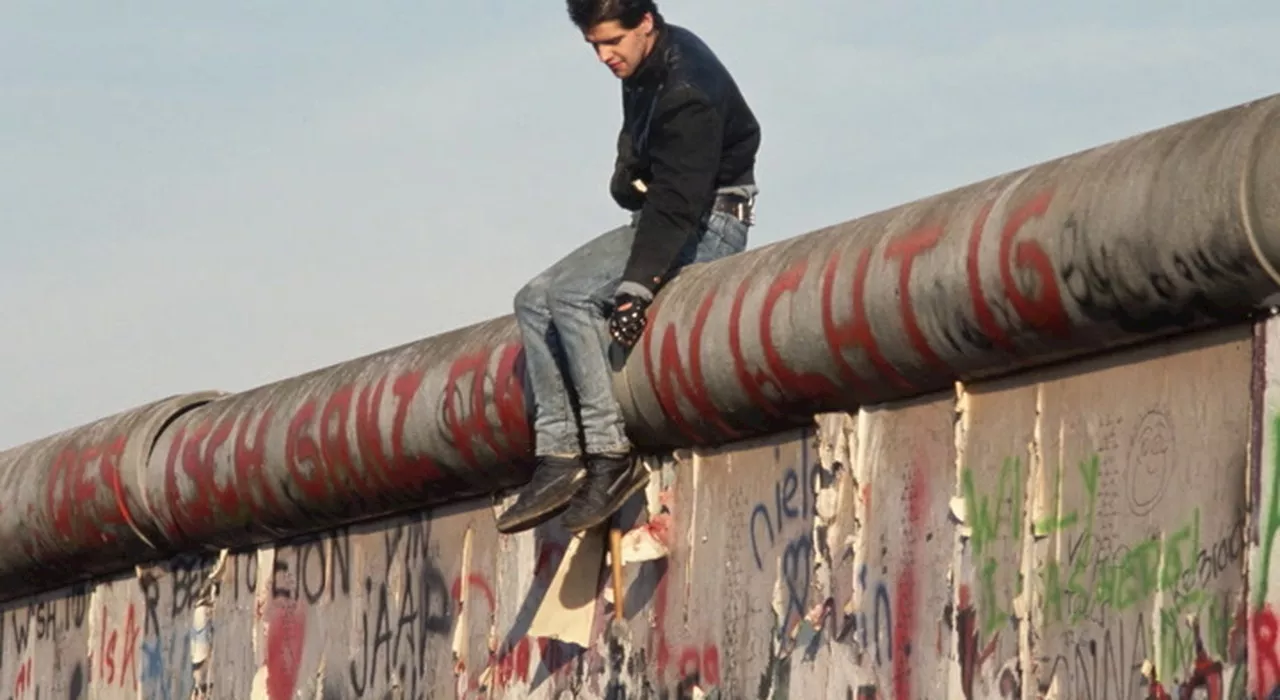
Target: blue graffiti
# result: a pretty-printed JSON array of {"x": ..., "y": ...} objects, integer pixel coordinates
[
  {"x": 797, "y": 571},
  {"x": 880, "y": 632},
  {"x": 165, "y": 673},
  {"x": 792, "y": 500}
]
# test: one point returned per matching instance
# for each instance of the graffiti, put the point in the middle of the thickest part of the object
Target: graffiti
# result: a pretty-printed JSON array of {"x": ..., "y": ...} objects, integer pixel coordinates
[
  {"x": 76, "y": 477},
  {"x": 310, "y": 569},
  {"x": 465, "y": 413},
  {"x": 45, "y": 620},
  {"x": 856, "y": 366},
  {"x": 904, "y": 594},
  {"x": 194, "y": 448},
  {"x": 971, "y": 658},
  {"x": 318, "y": 453},
  {"x": 403, "y": 612},
  {"x": 695, "y": 664},
  {"x": 513, "y": 661},
  {"x": 118, "y": 649},
  {"x": 792, "y": 503},
  {"x": 24, "y": 683},
  {"x": 906, "y": 248},
  {"x": 1098, "y": 275},
  {"x": 1270, "y": 519},
  {"x": 1089, "y": 579},
  {"x": 775, "y": 390},
  {"x": 1264, "y": 627},
  {"x": 1150, "y": 462},
  {"x": 875, "y": 631},
  {"x": 797, "y": 572},
  {"x": 286, "y": 636},
  {"x": 989, "y": 332},
  {"x": 1264, "y": 663},
  {"x": 855, "y": 333},
  {"x": 671, "y": 384}
]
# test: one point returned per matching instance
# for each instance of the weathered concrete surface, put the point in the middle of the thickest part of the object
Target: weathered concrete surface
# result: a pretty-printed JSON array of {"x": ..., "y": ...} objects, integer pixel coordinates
[
  {"x": 1162, "y": 233},
  {"x": 1081, "y": 532}
]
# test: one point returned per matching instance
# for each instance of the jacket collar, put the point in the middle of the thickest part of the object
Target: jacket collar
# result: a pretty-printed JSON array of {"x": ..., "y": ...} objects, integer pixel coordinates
[{"x": 654, "y": 66}]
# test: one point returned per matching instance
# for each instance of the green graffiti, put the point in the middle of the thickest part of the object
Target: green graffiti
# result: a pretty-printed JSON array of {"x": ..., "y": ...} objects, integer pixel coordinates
[
  {"x": 986, "y": 525},
  {"x": 1180, "y": 628},
  {"x": 1272, "y": 519},
  {"x": 1087, "y": 583}
]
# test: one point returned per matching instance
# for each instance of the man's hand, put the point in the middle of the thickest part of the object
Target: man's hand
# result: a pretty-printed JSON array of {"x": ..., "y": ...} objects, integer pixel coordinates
[{"x": 627, "y": 321}]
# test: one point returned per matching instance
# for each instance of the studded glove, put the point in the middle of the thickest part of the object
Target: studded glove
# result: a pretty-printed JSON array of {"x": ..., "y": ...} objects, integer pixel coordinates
[{"x": 627, "y": 321}]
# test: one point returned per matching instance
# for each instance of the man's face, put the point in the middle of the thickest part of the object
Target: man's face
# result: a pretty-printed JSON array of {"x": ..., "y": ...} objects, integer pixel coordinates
[{"x": 621, "y": 49}]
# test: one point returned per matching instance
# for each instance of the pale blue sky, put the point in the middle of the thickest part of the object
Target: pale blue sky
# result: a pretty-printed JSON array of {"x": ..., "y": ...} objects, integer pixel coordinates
[{"x": 219, "y": 195}]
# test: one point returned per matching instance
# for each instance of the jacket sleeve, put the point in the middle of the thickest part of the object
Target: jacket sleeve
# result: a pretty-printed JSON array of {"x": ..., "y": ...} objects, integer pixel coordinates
[
  {"x": 620, "y": 187},
  {"x": 684, "y": 154}
]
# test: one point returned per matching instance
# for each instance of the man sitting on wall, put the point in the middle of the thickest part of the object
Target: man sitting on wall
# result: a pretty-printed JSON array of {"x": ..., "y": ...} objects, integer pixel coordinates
[{"x": 685, "y": 168}]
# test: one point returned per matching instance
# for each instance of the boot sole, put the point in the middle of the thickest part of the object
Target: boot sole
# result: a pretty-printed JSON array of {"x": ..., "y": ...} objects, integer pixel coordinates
[
  {"x": 614, "y": 505},
  {"x": 537, "y": 516}
]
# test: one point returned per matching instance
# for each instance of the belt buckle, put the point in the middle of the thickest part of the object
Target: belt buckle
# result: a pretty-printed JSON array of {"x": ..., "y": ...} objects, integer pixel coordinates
[{"x": 747, "y": 211}]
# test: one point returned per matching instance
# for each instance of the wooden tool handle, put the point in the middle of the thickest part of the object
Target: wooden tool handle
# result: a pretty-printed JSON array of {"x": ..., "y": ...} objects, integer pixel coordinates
[{"x": 615, "y": 558}]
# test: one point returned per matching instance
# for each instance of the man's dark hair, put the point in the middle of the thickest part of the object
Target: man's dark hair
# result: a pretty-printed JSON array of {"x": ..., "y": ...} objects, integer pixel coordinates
[{"x": 588, "y": 13}]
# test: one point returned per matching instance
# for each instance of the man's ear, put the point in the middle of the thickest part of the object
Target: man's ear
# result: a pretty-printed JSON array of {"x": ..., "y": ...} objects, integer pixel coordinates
[{"x": 646, "y": 24}]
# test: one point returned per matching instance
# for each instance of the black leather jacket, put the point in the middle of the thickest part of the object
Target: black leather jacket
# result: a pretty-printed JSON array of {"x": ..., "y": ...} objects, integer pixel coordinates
[{"x": 687, "y": 132}]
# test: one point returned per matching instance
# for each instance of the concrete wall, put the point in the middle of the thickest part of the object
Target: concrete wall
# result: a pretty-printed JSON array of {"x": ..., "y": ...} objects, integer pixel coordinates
[{"x": 1076, "y": 533}]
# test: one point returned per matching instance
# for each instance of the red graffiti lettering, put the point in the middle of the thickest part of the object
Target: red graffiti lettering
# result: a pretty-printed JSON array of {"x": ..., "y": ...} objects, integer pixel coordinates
[
  {"x": 1264, "y": 663},
  {"x": 670, "y": 383},
  {"x": 195, "y": 448},
  {"x": 318, "y": 454},
  {"x": 72, "y": 492},
  {"x": 25, "y": 680},
  {"x": 1206, "y": 675},
  {"x": 335, "y": 445},
  {"x": 302, "y": 454},
  {"x": 197, "y": 464},
  {"x": 513, "y": 664},
  {"x": 785, "y": 382},
  {"x": 321, "y": 466},
  {"x": 252, "y": 491},
  {"x": 111, "y": 643},
  {"x": 286, "y": 638},
  {"x": 907, "y": 248},
  {"x": 1043, "y": 310},
  {"x": 904, "y": 603},
  {"x": 693, "y": 662},
  {"x": 408, "y": 469},
  {"x": 981, "y": 308},
  {"x": 477, "y": 582},
  {"x": 855, "y": 333},
  {"x": 971, "y": 658},
  {"x": 368, "y": 434},
  {"x": 466, "y": 417}
]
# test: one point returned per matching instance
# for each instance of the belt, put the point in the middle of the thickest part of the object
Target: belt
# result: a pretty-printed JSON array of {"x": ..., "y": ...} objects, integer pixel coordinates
[{"x": 735, "y": 205}]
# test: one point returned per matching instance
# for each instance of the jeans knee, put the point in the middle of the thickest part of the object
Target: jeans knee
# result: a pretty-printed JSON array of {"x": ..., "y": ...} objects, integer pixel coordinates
[
  {"x": 532, "y": 297},
  {"x": 571, "y": 299}
]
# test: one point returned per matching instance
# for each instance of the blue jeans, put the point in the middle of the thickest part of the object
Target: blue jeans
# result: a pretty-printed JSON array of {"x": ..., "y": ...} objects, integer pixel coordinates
[{"x": 561, "y": 316}]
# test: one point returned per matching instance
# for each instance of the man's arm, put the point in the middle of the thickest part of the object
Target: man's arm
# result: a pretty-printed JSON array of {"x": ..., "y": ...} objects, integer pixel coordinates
[
  {"x": 684, "y": 156},
  {"x": 624, "y": 193}
]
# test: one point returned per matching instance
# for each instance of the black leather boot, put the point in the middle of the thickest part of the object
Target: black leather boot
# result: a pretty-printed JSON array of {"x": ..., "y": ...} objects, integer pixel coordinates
[
  {"x": 611, "y": 480},
  {"x": 555, "y": 480}
]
